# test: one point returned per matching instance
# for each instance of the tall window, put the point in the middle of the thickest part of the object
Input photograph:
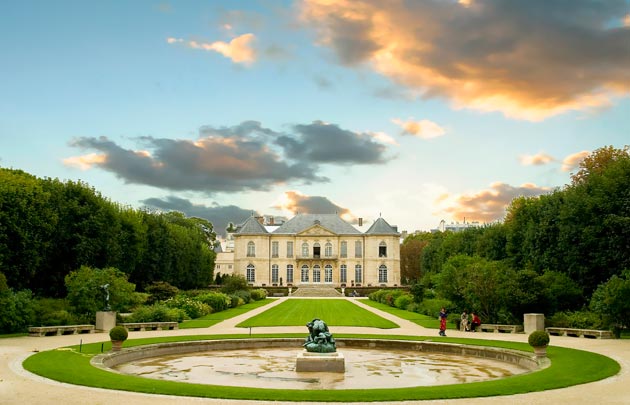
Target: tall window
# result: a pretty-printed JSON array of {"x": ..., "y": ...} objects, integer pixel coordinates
[
  {"x": 343, "y": 274},
  {"x": 304, "y": 249},
  {"x": 274, "y": 249},
  {"x": 251, "y": 274},
  {"x": 289, "y": 249},
  {"x": 328, "y": 249},
  {"x": 382, "y": 274},
  {"x": 328, "y": 274},
  {"x": 274, "y": 273},
  {"x": 251, "y": 249},
  {"x": 304, "y": 277},
  {"x": 344, "y": 249},
  {"x": 317, "y": 278},
  {"x": 317, "y": 250},
  {"x": 358, "y": 249},
  {"x": 382, "y": 249},
  {"x": 358, "y": 274},
  {"x": 289, "y": 273}
]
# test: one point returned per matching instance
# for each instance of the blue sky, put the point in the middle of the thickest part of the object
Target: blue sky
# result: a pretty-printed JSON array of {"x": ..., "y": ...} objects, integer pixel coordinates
[{"x": 416, "y": 111}]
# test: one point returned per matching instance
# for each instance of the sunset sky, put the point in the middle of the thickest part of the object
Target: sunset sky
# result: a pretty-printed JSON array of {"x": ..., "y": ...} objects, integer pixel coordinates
[{"x": 414, "y": 110}]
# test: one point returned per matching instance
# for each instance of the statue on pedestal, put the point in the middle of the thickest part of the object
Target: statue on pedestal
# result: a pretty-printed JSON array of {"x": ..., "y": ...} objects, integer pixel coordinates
[
  {"x": 106, "y": 289},
  {"x": 319, "y": 340}
]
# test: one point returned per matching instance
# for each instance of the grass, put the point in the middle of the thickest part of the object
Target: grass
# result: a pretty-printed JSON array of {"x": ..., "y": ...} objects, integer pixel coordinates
[
  {"x": 568, "y": 367},
  {"x": 419, "y": 319},
  {"x": 297, "y": 312},
  {"x": 212, "y": 319}
]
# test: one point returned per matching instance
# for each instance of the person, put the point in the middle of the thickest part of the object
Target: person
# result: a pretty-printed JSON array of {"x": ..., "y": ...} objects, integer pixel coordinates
[
  {"x": 475, "y": 322},
  {"x": 463, "y": 326},
  {"x": 354, "y": 293},
  {"x": 443, "y": 322}
]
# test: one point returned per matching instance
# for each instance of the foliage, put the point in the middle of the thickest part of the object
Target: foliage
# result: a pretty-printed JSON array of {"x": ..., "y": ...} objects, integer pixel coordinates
[
  {"x": 157, "y": 313},
  {"x": 258, "y": 294},
  {"x": 193, "y": 308},
  {"x": 538, "y": 338},
  {"x": 53, "y": 312},
  {"x": 431, "y": 306},
  {"x": 576, "y": 319},
  {"x": 611, "y": 301},
  {"x": 17, "y": 311},
  {"x": 234, "y": 282},
  {"x": 118, "y": 333},
  {"x": 217, "y": 301},
  {"x": 236, "y": 301},
  {"x": 411, "y": 259},
  {"x": 160, "y": 291},
  {"x": 403, "y": 301}
]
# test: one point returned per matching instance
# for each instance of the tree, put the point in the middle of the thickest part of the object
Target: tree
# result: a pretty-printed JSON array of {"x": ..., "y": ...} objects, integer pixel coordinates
[
  {"x": 411, "y": 260},
  {"x": 611, "y": 300},
  {"x": 17, "y": 309}
]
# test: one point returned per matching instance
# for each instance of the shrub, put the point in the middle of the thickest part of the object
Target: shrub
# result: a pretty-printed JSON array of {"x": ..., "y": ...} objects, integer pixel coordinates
[
  {"x": 157, "y": 313},
  {"x": 576, "y": 319},
  {"x": 258, "y": 294},
  {"x": 160, "y": 291},
  {"x": 403, "y": 301},
  {"x": 193, "y": 308},
  {"x": 17, "y": 310},
  {"x": 118, "y": 333},
  {"x": 432, "y": 306},
  {"x": 232, "y": 283},
  {"x": 236, "y": 301},
  {"x": 538, "y": 338},
  {"x": 244, "y": 295},
  {"x": 216, "y": 300}
]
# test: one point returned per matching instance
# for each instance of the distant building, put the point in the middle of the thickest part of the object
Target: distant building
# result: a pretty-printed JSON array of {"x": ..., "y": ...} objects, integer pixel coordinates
[
  {"x": 456, "y": 226},
  {"x": 316, "y": 249}
]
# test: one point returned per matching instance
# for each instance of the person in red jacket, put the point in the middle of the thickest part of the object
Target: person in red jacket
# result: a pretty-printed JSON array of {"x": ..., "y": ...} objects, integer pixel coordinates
[
  {"x": 443, "y": 316},
  {"x": 475, "y": 322}
]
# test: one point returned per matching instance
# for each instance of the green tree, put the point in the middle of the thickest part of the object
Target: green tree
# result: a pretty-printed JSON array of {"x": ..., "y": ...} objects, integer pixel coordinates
[{"x": 611, "y": 301}]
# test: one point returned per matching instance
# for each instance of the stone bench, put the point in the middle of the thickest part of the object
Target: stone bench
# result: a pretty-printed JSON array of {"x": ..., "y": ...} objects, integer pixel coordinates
[
  {"x": 583, "y": 333},
  {"x": 144, "y": 326},
  {"x": 277, "y": 295},
  {"x": 60, "y": 330},
  {"x": 488, "y": 327}
]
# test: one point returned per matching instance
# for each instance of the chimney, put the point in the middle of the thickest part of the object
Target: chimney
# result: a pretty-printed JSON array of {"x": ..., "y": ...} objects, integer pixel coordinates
[
  {"x": 360, "y": 221},
  {"x": 271, "y": 221},
  {"x": 261, "y": 220}
]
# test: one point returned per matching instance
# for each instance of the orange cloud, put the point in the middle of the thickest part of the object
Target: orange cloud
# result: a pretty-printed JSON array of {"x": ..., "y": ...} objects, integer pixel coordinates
[
  {"x": 239, "y": 50},
  {"x": 573, "y": 161},
  {"x": 295, "y": 202},
  {"x": 538, "y": 159},
  {"x": 424, "y": 129},
  {"x": 85, "y": 162},
  {"x": 480, "y": 55}
]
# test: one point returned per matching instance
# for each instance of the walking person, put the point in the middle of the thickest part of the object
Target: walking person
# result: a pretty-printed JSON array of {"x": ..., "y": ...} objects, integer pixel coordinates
[
  {"x": 463, "y": 326},
  {"x": 443, "y": 322}
]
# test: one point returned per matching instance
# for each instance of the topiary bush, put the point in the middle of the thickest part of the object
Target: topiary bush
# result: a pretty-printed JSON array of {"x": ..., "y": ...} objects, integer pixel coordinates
[
  {"x": 258, "y": 294},
  {"x": 538, "y": 338},
  {"x": 118, "y": 333},
  {"x": 403, "y": 301},
  {"x": 217, "y": 301}
]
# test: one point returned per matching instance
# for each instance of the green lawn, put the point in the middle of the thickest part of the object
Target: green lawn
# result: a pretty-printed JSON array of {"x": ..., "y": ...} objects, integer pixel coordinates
[
  {"x": 298, "y": 312},
  {"x": 419, "y": 319},
  {"x": 212, "y": 319}
]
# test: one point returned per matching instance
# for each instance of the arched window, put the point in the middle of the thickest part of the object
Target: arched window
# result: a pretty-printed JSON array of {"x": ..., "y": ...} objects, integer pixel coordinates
[
  {"x": 328, "y": 249},
  {"x": 328, "y": 274},
  {"x": 382, "y": 249},
  {"x": 251, "y": 249},
  {"x": 382, "y": 274},
  {"x": 251, "y": 273},
  {"x": 317, "y": 274},
  {"x": 317, "y": 250},
  {"x": 358, "y": 249},
  {"x": 358, "y": 274},
  {"x": 274, "y": 273},
  {"x": 343, "y": 274},
  {"x": 304, "y": 249},
  {"x": 304, "y": 277},
  {"x": 289, "y": 273}
]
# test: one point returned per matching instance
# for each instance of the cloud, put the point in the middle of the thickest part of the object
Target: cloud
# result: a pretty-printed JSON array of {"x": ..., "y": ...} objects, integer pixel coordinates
[
  {"x": 573, "y": 161},
  {"x": 527, "y": 59},
  {"x": 424, "y": 129},
  {"x": 538, "y": 159},
  {"x": 488, "y": 205},
  {"x": 321, "y": 142},
  {"x": 243, "y": 157},
  {"x": 295, "y": 202},
  {"x": 239, "y": 49},
  {"x": 218, "y": 215}
]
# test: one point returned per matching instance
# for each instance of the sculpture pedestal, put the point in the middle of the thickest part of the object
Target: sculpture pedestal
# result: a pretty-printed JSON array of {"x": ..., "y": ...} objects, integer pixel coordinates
[
  {"x": 105, "y": 320},
  {"x": 534, "y": 322},
  {"x": 322, "y": 362}
]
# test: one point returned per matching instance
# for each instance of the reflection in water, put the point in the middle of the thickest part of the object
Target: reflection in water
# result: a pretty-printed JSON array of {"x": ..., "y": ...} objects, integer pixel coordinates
[{"x": 275, "y": 368}]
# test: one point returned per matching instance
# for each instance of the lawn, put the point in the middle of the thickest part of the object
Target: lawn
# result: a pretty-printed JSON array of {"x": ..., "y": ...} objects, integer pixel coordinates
[
  {"x": 212, "y": 319},
  {"x": 419, "y": 319},
  {"x": 298, "y": 312}
]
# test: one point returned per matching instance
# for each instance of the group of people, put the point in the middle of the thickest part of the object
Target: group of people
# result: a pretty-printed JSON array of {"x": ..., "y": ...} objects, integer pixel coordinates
[{"x": 466, "y": 325}]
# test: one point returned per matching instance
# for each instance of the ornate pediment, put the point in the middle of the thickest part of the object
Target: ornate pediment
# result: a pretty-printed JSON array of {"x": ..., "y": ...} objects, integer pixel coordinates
[{"x": 316, "y": 230}]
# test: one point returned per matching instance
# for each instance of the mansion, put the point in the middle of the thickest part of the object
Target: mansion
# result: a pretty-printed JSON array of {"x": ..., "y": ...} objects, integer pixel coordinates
[{"x": 314, "y": 249}]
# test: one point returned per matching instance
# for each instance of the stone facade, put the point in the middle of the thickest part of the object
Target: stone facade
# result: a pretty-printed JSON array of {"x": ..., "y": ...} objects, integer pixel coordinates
[{"x": 312, "y": 249}]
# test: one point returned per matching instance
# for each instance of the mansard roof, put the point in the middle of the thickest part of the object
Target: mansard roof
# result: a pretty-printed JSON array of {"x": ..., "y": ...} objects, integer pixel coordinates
[
  {"x": 251, "y": 227},
  {"x": 381, "y": 227},
  {"x": 331, "y": 222}
]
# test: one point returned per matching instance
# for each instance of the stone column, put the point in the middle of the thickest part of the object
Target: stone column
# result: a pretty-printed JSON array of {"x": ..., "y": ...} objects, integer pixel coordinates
[
  {"x": 105, "y": 320},
  {"x": 534, "y": 322}
]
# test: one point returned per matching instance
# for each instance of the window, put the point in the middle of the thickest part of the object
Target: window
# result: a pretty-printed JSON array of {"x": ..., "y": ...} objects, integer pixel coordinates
[
  {"x": 358, "y": 250},
  {"x": 343, "y": 274},
  {"x": 289, "y": 249},
  {"x": 382, "y": 249},
  {"x": 344, "y": 249},
  {"x": 274, "y": 249},
  {"x": 328, "y": 250},
  {"x": 358, "y": 274},
  {"x": 304, "y": 278},
  {"x": 251, "y": 274},
  {"x": 274, "y": 273},
  {"x": 317, "y": 250},
  {"x": 328, "y": 274},
  {"x": 289, "y": 273},
  {"x": 304, "y": 249},
  {"x": 382, "y": 274},
  {"x": 251, "y": 249},
  {"x": 317, "y": 274}
]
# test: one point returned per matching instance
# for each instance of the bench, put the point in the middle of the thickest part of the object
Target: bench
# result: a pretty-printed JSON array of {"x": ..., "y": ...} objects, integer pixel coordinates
[
  {"x": 144, "y": 326},
  {"x": 60, "y": 330},
  {"x": 277, "y": 295},
  {"x": 583, "y": 333},
  {"x": 488, "y": 327}
]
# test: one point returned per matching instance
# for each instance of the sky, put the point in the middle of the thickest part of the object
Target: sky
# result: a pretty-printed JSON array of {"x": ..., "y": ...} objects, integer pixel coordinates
[{"x": 416, "y": 111}]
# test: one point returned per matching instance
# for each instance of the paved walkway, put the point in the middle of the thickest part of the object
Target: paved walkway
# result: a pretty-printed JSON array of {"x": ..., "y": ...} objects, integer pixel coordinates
[{"x": 18, "y": 386}]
